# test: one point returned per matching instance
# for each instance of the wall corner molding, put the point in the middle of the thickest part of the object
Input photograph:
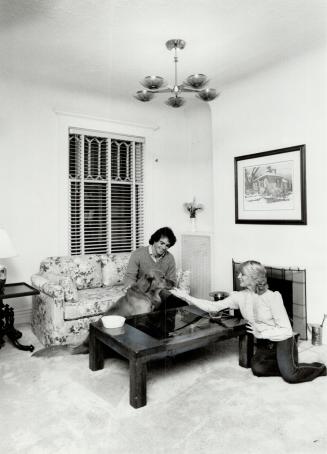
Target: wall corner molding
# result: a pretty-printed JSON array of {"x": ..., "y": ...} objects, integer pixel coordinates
[{"x": 62, "y": 113}]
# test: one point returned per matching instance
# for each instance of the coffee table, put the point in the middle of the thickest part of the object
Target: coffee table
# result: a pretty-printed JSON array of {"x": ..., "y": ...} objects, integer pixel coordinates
[{"x": 162, "y": 334}]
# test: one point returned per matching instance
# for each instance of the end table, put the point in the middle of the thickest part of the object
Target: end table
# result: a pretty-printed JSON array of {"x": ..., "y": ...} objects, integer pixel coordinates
[{"x": 7, "y": 317}]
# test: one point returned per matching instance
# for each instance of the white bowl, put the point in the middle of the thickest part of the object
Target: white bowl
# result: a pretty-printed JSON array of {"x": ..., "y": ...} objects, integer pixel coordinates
[{"x": 113, "y": 321}]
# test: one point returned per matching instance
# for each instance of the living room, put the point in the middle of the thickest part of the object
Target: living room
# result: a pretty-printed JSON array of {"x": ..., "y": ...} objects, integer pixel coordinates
[{"x": 78, "y": 64}]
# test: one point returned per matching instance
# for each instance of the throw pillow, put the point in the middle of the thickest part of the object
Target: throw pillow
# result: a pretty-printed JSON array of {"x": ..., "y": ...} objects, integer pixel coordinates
[
  {"x": 86, "y": 271},
  {"x": 121, "y": 261},
  {"x": 109, "y": 272}
]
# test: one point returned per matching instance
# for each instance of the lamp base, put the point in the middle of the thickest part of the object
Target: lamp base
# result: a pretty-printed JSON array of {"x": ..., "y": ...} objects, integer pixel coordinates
[{"x": 3, "y": 277}]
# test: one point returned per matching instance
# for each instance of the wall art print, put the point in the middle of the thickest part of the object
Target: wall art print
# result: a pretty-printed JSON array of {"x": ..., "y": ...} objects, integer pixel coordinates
[{"x": 270, "y": 187}]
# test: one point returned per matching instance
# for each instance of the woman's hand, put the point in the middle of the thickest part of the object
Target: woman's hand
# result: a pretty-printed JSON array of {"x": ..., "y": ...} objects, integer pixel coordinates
[
  {"x": 179, "y": 293},
  {"x": 251, "y": 328},
  {"x": 125, "y": 288}
]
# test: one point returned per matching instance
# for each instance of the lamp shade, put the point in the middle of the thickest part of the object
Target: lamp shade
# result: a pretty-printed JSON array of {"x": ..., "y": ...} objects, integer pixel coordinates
[
  {"x": 6, "y": 247},
  {"x": 144, "y": 95},
  {"x": 175, "y": 101},
  {"x": 197, "y": 80},
  {"x": 153, "y": 82},
  {"x": 207, "y": 94}
]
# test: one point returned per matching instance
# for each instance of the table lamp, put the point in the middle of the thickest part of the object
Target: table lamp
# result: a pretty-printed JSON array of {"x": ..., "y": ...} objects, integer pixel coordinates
[{"x": 6, "y": 250}]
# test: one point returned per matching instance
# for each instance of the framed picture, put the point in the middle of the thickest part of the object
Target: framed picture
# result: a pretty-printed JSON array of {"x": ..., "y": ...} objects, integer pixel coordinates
[{"x": 270, "y": 187}]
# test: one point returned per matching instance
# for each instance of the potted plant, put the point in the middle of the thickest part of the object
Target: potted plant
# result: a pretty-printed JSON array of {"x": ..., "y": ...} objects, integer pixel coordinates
[{"x": 193, "y": 208}]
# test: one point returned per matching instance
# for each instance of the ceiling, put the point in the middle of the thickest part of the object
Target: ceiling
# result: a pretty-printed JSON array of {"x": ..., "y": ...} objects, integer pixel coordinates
[{"x": 107, "y": 46}]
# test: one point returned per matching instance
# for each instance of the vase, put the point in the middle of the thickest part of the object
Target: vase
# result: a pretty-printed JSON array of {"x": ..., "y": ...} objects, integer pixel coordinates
[{"x": 193, "y": 224}]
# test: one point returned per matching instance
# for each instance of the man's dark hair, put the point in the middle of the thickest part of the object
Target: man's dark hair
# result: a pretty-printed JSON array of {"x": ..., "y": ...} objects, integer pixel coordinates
[{"x": 163, "y": 232}]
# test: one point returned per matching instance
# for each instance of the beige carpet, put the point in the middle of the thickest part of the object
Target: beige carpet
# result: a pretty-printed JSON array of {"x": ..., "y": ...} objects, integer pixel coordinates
[{"x": 201, "y": 402}]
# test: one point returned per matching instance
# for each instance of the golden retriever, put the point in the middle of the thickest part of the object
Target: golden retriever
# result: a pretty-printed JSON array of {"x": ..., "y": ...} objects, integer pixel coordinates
[{"x": 141, "y": 298}]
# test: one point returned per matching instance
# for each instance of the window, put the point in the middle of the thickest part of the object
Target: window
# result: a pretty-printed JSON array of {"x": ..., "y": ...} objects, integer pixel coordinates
[{"x": 106, "y": 193}]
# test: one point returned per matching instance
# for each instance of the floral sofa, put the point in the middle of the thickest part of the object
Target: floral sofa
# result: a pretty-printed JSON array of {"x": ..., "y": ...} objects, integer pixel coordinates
[{"x": 77, "y": 290}]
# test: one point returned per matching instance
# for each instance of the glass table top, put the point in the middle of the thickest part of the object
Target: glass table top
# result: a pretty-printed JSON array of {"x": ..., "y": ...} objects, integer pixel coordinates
[
  {"x": 178, "y": 321},
  {"x": 16, "y": 290}
]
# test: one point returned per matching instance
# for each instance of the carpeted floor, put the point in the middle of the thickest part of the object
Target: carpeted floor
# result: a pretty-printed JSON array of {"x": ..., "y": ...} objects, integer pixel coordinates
[{"x": 202, "y": 402}]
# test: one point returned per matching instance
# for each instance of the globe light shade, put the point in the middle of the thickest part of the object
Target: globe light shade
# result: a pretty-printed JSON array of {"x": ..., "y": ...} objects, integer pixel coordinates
[
  {"x": 197, "y": 80},
  {"x": 153, "y": 82},
  {"x": 144, "y": 95},
  {"x": 175, "y": 101},
  {"x": 207, "y": 94}
]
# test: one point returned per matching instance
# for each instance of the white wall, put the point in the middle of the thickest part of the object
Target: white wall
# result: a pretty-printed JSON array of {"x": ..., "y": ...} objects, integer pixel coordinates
[
  {"x": 199, "y": 165},
  {"x": 280, "y": 107},
  {"x": 33, "y": 185}
]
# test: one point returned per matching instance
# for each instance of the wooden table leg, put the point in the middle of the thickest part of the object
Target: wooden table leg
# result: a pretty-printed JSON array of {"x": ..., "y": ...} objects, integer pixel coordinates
[
  {"x": 96, "y": 356},
  {"x": 7, "y": 320},
  {"x": 137, "y": 385},
  {"x": 245, "y": 350}
]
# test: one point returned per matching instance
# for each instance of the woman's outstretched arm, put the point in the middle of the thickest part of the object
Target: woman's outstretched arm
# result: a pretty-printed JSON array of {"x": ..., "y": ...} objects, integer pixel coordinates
[{"x": 206, "y": 305}]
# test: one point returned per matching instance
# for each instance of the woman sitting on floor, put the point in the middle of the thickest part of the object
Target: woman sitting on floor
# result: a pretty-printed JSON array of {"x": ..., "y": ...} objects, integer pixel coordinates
[{"x": 276, "y": 353}]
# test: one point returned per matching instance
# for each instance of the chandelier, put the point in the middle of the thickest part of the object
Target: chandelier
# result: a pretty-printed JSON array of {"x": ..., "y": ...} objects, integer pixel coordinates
[{"x": 194, "y": 83}]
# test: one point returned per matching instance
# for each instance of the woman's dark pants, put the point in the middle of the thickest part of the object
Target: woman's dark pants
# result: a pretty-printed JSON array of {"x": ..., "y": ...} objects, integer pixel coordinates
[{"x": 281, "y": 359}]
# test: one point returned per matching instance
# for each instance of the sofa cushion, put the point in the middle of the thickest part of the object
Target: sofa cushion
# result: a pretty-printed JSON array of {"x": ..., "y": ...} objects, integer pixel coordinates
[{"x": 92, "y": 302}]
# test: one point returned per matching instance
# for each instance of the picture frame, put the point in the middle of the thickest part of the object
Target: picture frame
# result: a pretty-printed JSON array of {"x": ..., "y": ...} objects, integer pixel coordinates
[{"x": 270, "y": 187}]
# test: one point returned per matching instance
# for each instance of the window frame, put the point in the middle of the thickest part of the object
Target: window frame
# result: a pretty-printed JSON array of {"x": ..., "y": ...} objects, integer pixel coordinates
[{"x": 137, "y": 238}]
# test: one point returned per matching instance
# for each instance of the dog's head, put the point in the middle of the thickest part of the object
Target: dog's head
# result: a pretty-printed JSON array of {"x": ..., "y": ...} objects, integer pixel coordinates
[{"x": 154, "y": 280}]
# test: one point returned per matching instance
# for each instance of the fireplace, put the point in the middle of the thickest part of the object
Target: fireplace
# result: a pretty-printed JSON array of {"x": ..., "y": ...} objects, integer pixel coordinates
[{"x": 291, "y": 283}]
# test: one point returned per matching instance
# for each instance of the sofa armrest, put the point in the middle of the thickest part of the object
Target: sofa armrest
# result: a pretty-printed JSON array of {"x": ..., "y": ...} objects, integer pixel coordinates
[
  {"x": 53, "y": 290},
  {"x": 43, "y": 284},
  {"x": 56, "y": 285}
]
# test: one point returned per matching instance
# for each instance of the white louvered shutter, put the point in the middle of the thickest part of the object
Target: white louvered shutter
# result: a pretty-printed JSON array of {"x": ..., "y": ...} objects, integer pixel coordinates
[
  {"x": 139, "y": 195},
  {"x": 106, "y": 194},
  {"x": 95, "y": 195},
  {"x": 75, "y": 194}
]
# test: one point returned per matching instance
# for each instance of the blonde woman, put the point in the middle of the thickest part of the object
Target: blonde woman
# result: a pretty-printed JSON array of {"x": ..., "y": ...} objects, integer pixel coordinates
[{"x": 276, "y": 353}]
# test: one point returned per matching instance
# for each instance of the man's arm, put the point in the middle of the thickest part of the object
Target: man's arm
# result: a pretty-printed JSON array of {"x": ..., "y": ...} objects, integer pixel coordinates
[
  {"x": 171, "y": 271},
  {"x": 132, "y": 270}
]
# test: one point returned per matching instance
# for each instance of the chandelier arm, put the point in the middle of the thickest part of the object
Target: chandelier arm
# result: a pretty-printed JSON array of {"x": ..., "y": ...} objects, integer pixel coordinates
[
  {"x": 162, "y": 90},
  {"x": 159, "y": 90},
  {"x": 188, "y": 89}
]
